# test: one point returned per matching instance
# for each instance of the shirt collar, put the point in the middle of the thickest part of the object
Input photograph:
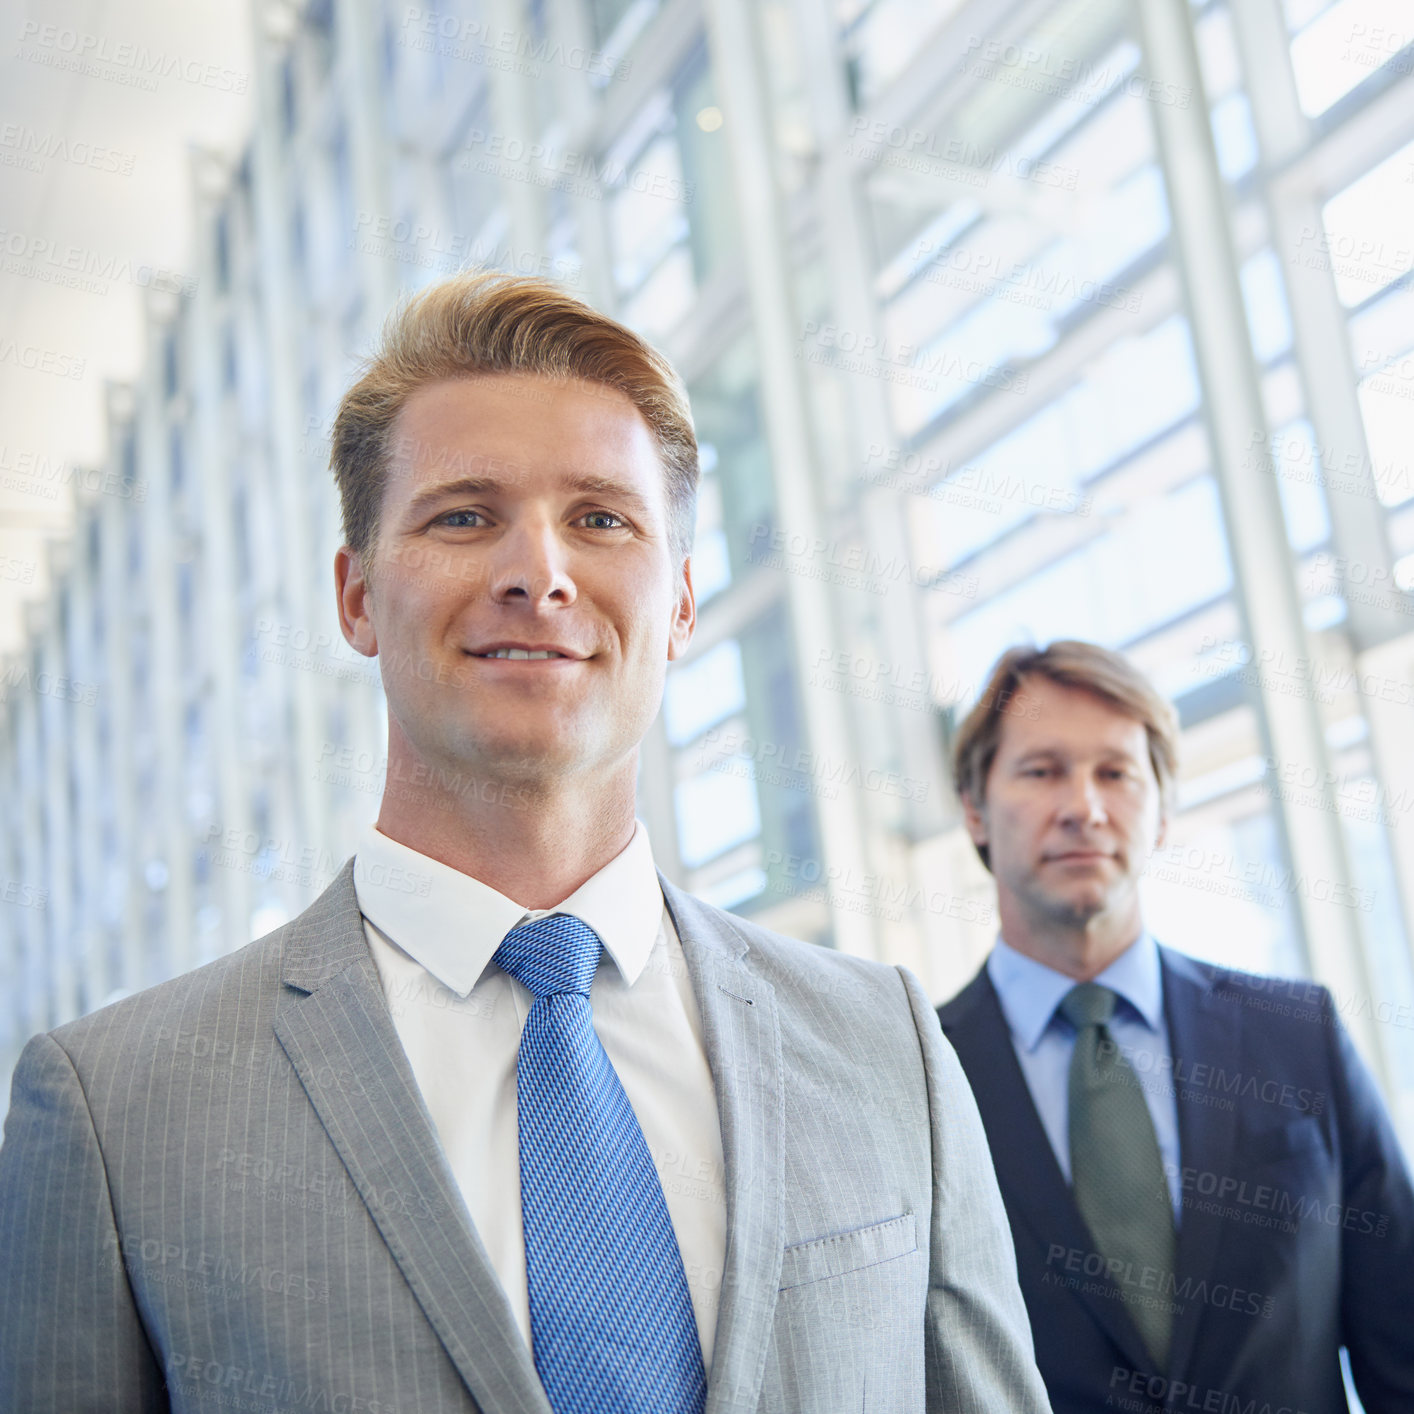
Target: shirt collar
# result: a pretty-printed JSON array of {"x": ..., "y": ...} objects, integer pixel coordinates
[
  {"x": 452, "y": 923},
  {"x": 1030, "y": 992}
]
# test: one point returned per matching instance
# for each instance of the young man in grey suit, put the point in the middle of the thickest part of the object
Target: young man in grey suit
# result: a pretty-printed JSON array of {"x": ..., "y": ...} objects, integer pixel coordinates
[
  {"x": 1207, "y": 1197},
  {"x": 503, "y": 1121}
]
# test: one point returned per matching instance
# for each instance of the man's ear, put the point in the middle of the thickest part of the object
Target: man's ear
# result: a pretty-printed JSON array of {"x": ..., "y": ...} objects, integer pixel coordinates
[
  {"x": 974, "y": 816},
  {"x": 684, "y": 615},
  {"x": 354, "y": 594}
]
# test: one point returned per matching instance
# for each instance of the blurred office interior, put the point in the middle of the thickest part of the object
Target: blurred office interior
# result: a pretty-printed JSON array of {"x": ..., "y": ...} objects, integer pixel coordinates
[{"x": 1001, "y": 321}]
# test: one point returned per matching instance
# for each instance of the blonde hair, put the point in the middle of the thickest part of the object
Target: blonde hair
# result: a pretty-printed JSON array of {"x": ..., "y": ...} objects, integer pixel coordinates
[
  {"x": 485, "y": 322},
  {"x": 1070, "y": 663}
]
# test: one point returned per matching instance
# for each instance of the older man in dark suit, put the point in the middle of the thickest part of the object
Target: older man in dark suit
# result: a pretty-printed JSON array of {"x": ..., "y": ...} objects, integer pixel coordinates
[{"x": 1207, "y": 1198}]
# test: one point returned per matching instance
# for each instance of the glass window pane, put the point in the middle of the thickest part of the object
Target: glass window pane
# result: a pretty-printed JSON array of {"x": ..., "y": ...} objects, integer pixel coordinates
[
  {"x": 711, "y": 564},
  {"x": 1217, "y": 51},
  {"x": 646, "y": 212},
  {"x": 1234, "y": 136},
  {"x": 706, "y": 174},
  {"x": 1224, "y": 889},
  {"x": 1389, "y": 428},
  {"x": 1169, "y": 556},
  {"x": 1344, "y": 45},
  {"x": 1264, "y": 296},
  {"x": 716, "y": 810},
  {"x": 1303, "y": 498},
  {"x": 704, "y": 692},
  {"x": 1368, "y": 226},
  {"x": 1136, "y": 389},
  {"x": 881, "y": 36}
]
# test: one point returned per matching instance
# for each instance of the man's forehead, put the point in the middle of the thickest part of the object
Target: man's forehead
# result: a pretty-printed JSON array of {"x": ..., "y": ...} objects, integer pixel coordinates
[
  {"x": 408, "y": 451},
  {"x": 506, "y": 426},
  {"x": 1044, "y": 715},
  {"x": 462, "y": 440},
  {"x": 512, "y": 391}
]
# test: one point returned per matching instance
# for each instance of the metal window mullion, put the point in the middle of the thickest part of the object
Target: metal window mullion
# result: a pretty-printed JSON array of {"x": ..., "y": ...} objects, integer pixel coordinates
[
  {"x": 56, "y": 722},
  {"x": 38, "y": 999},
  {"x": 14, "y": 1027},
  {"x": 1380, "y": 634},
  {"x": 737, "y": 68},
  {"x": 513, "y": 113},
  {"x": 570, "y": 29},
  {"x": 358, "y": 37},
  {"x": 114, "y": 520},
  {"x": 1320, "y": 336},
  {"x": 166, "y": 682},
  {"x": 89, "y": 939},
  {"x": 221, "y": 638},
  {"x": 279, "y": 303},
  {"x": 1263, "y": 564},
  {"x": 883, "y": 513}
]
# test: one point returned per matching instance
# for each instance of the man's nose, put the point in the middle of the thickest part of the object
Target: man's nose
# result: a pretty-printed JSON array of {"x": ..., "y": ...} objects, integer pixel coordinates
[
  {"x": 530, "y": 565},
  {"x": 1084, "y": 801}
]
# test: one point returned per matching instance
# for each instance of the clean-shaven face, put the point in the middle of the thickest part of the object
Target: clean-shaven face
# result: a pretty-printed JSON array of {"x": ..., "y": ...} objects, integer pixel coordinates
[
  {"x": 524, "y": 599},
  {"x": 1071, "y": 810}
]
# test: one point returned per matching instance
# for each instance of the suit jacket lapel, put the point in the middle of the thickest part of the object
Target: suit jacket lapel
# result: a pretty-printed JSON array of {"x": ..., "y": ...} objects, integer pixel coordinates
[
  {"x": 741, "y": 1033},
  {"x": 342, "y": 1043},
  {"x": 1199, "y": 1033},
  {"x": 1033, "y": 1186}
]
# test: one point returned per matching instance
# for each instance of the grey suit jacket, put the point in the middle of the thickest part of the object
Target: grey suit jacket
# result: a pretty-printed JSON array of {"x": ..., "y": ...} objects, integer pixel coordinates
[{"x": 226, "y": 1193}]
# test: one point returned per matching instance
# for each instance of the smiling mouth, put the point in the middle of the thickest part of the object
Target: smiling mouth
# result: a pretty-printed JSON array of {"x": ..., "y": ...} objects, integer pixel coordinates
[{"x": 520, "y": 654}]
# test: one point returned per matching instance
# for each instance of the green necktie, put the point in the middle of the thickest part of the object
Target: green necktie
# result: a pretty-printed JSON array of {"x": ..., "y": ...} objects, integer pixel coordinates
[{"x": 1116, "y": 1171}]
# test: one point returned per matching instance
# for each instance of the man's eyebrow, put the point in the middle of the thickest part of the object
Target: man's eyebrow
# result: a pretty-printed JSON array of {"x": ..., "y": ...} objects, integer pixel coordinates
[
  {"x": 605, "y": 486},
  {"x": 608, "y": 487},
  {"x": 1057, "y": 753},
  {"x": 457, "y": 486},
  {"x": 1053, "y": 752}
]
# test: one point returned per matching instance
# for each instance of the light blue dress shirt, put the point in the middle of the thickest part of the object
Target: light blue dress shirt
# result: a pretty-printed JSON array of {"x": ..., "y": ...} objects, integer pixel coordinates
[{"x": 1030, "y": 993}]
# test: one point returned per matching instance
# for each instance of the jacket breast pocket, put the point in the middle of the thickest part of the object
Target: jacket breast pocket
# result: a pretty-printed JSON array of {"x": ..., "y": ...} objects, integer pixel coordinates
[
  {"x": 1299, "y": 1140},
  {"x": 806, "y": 1262}
]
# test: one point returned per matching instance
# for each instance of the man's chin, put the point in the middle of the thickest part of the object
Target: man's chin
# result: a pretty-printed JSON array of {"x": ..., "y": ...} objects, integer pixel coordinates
[{"x": 1078, "y": 910}]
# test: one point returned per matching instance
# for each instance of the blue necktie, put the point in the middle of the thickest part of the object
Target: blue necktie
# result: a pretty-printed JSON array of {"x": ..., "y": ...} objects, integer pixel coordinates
[{"x": 610, "y": 1316}]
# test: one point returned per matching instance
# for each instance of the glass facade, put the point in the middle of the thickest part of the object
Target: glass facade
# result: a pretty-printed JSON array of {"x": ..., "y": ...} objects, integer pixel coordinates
[{"x": 999, "y": 325}]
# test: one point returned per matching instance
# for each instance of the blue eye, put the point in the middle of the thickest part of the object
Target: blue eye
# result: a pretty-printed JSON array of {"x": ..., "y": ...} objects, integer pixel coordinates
[
  {"x": 603, "y": 516},
  {"x": 460, "y": 519}
]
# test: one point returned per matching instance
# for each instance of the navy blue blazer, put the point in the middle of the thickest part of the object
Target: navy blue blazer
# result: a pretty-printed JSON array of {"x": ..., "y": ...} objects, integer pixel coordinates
[{"x": 1297, "y": 1231}]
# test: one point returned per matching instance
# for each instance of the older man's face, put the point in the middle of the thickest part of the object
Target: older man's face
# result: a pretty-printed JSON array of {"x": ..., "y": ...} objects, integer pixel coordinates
[
  {"x": 524, "y": 602},
  {"x": 1071, "y": 808}
]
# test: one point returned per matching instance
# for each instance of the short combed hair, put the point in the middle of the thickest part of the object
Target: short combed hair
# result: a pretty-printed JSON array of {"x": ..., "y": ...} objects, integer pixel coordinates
[
  {"x": 484, "y": 322},
  {"x": 1068, "y": 662}
]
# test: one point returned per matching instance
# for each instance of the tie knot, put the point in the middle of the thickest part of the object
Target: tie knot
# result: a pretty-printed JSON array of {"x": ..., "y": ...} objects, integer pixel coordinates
[
  {"x": 551, "y": 956},
  {"x": 1089, "y": 1004}
]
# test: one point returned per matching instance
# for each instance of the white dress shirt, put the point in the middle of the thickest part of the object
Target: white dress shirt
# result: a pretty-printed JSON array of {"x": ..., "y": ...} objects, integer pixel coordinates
[{"x": 432, "y": 931}]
